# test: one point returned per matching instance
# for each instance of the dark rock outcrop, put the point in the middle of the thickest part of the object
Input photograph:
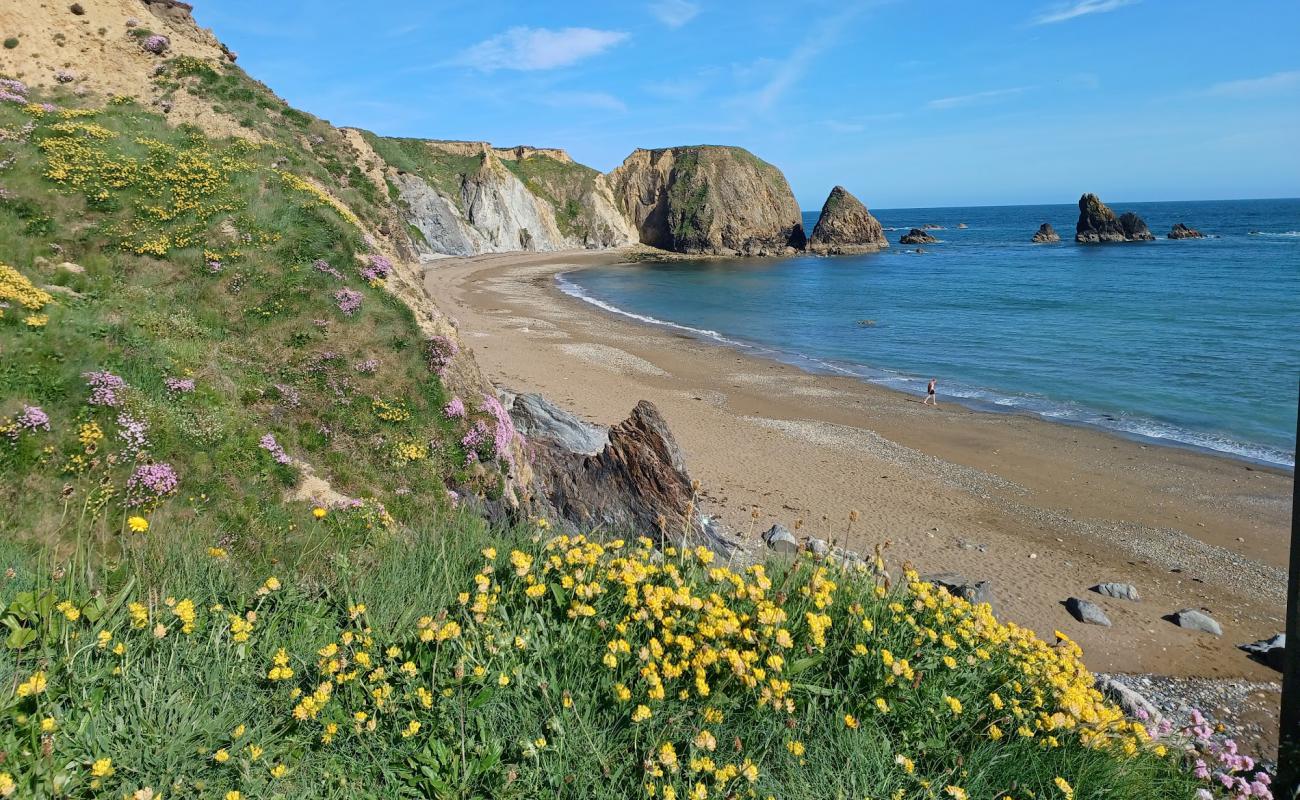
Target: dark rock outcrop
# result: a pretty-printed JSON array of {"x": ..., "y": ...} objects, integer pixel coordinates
[
  {"x": 1181, "y": 231},
  {"x": 917, "y": 236},
  {"x": 636, "y": 484},
  {"x": 709, "y": 200},
  {"x": 1046, "y": 233},
  {"x": 1097, "y": 223},
  {"x": 845, "y": 226}
]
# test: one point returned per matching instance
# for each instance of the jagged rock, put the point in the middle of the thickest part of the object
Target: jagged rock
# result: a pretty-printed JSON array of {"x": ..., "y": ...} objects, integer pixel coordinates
[
  {"x": 1097, "y": 223},
  {"x": 1046, "y": 233},
  {"x": 779, "y": 539},
  {"x": 1181, "y": 231},
  {"x": 958, "y": 586},
  {"x": 637, "y": 484},
  {"x": 1197, "y": 620},
  {"x": 1120, "y": 591},
  {"x": 845, "y": 226},
  {"x": 1271, "y": 651},
  {"x": 917, "y": 236},
  {"x": 1087, "y": 611},
  {"x": 1130, "y": 701},
  {"x": 709, "y": 200},
  {"x": 536, "y": 417}
]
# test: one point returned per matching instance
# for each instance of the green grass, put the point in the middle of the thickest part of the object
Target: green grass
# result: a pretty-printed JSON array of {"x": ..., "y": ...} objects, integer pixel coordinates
[{"x": 445, "y": 171}]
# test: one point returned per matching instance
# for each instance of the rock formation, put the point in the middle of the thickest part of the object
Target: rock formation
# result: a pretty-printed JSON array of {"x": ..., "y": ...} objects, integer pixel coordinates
[
  {"x": 1181, "y": 231},
  {"x": 1087, "y": 611},
  {"x": 1097, "y": 223},
  {"x": 845, "y": 226},
  {"x": 917, "y": 236},
  {"x": 1046, "y": 233},
  {"x": 635, "y": 484},
  {"x": 708, "y": 200},
  {"x": 466, "y": 198}
]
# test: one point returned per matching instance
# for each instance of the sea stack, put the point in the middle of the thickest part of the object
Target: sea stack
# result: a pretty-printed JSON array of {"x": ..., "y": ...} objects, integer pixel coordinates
[
  {"x": 845, "y": 226},
  {"x": 917, "y": 236},
  {"x": 709, "y": 200},
  {"x": 1181, "y": 231},
  {"x": 1046, "y": 233},
  {"x": 1097, "y": 223}
]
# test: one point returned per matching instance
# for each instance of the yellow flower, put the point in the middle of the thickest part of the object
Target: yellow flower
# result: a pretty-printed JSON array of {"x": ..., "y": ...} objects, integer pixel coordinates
[
  {"x": 254, "y": 752},
  {"x": 851, "y": 721},
  {"x": 412, "y": 728},
  {"x": 138, "y": 524},
  {"x": 641, "y": 713},
  {"x": 279, "y": 771},
  {"x": 102, "y": 768},
  {"x": 503, "y": 680},
  {"x": 238, "y": 731},
  {"x": 953, "y": 704},
  {"x": 272, "y": 584},
  {"x": 48, "y": 725},
  {"x": 318, "y": 512},
  {"x": 35, "y": 684},
  {"x": 234, "y": 794},
  {"x": 216, "y": 552},
  {"x": 1066, "y": 789},
  {"x": 7, "y": 784},
  {"x": 221, "y": 756},
  {"x": 955, "y": 792},
  {"x": 882, "y": 705},
  {"x": 906, "y": 763}
]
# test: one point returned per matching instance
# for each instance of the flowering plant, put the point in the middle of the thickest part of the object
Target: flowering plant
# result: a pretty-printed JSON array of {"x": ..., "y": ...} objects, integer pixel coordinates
[
  {"x": 349, "y": 300},
  {"x": 156, "y": 44},
  {"x": 151, "y": 483}
]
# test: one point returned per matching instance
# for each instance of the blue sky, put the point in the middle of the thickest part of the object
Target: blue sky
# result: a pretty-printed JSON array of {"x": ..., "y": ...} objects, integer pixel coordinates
[{"x": 904, "y": 103}]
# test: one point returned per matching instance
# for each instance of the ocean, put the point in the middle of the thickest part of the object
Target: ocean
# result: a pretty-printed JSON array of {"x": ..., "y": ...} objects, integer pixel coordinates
[{"x": 1192, "y": 343}]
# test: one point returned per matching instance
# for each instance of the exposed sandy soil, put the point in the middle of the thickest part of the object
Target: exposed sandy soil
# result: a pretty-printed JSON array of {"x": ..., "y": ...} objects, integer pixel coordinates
[{"x": 1056, "y": 508}]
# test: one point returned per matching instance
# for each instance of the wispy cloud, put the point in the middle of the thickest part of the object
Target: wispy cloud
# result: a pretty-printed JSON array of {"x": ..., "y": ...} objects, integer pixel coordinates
[
  {"x": 601, "y": 101},
  {"x": 1080, "y": 8},
  {"x": 1255, "y": 87},
  {"x": 975, "y": 98},
  {"x": 674, "y": 13},
  {"x": 790, "y": 70},
  {"x": 538, "y": 48}
]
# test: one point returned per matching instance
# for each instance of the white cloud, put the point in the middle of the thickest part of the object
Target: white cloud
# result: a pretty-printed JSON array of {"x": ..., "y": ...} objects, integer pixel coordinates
[
  {"x": 601, "y": 101},
  {"x": 538, "y": 48},
  {"x": 674, "y": 13},
  {"x": 1254, "y": 87},
  {"x": 1080, "y": 8},
  {"x": 975, "y": 98},
  {"x": 791, "y": 70}
]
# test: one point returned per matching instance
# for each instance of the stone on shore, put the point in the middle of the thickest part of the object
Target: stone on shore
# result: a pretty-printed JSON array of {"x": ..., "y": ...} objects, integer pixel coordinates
[
  {"x": 1181, "y": 231},
  {"x": 1120, "y": 591},
  {"x": 1097, "y": 224},
  {"x": 917, "y": 236},
  {"x": 536, "y": 417},
  {"x": 779, "y": 539},
  {"x": 1196, "y": 620},
  {"x": 845, "y": 226},
  {"x": 1134, "y": 705},
  {"x": 1087, "y": 611},
  {"x": 1046, "y": 233},
  {"x": 974, "y": 592},
  {"x": 1270, "y": 651}
]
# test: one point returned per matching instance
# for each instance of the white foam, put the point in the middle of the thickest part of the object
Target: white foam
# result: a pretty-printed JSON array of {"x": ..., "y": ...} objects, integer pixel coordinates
[{"x": 577, "y": 292}]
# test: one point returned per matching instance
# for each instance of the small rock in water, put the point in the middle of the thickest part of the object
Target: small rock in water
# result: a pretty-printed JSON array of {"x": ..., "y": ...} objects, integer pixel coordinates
[
  {"x": 1269, "y": 652},
  {"x": 1197, "y": 620},
  {"x": 1087, "y": 611},
  {"x": 1120, "y": 591},
  {"x": 779, "y": 539}
]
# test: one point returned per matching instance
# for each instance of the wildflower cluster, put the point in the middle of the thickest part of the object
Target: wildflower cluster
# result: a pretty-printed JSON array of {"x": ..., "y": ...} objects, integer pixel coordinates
[
  {"x": 440, "y": 351},
  {"x": 179, "y": 385},
  {"x": 156, "y": 44},
  {"x": 16, "y": 289},
  {"x": 270, "y": 445},
  {"x": 150, "y": 483},
  {"x": 378, "y": 270},
  {"x": 13, "y": 91},
  {"x": 104, "y": 388},
  {"x": 348, "y": 300}
]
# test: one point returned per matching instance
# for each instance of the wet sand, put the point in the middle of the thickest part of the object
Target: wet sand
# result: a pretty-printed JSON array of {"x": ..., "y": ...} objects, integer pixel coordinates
[{"x": 1042, "y": 510}]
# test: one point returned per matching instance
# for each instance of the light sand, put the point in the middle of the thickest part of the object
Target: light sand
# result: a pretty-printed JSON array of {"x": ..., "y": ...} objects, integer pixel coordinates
[{"x": 1056, "y": 508}]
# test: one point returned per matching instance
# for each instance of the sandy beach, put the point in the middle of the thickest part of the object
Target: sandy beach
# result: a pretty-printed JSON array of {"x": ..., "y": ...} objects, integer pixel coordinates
[{"x": 1042, "y": 510}]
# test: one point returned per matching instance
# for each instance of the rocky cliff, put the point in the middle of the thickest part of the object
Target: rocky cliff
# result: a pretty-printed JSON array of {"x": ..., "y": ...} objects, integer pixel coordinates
[
  {"x": 1098, "y": 224},
  {"x": 845, "y": 226},
  {"x": 465, "y": 198},
  {"x": 708, "y": 200},
  {"x": 1046, "y": 234}
]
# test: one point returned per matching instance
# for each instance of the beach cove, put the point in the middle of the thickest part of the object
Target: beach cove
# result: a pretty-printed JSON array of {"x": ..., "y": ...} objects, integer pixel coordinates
[{"x": 1042, "y": 510}]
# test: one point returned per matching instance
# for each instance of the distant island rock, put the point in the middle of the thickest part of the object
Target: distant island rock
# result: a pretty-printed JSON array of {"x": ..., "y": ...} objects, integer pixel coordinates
[
  {"x": 845, "y": 226},
  {"x": 1181, "y": 231},
  {"x": 917, "y": 236},
  {"x": 709, "y": 200},
  {"x": 1097, "y": 224},
  {"x": 962, "y": 225},
  {"x": 1046, "y": 233}
]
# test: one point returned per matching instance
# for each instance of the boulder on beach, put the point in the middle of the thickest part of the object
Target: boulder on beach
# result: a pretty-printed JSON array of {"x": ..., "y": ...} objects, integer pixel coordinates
[
  {"x": 974, "y": 592},
  {"x": 1046, "y": 233},
  {"x": 1270, "y": 651},
  {"x": 1097, "y": 224},
  {"x": 917, "y": 236},
  {"x": 1196, "y": 620},
  {"x": 779, "y": 539},
  {"x": 1181, "y": 231},
  {"x": 845, "y": 226},
  {"x": 1087, "y": 611},
  {"x": 1120, "y": 591}
]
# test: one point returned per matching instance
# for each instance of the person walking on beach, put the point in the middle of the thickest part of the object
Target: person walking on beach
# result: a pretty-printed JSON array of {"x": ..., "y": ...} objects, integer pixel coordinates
[{"x": 929, "y": 395}]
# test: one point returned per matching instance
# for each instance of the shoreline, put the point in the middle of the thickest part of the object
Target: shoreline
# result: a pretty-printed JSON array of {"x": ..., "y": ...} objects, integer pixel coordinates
[{"x": 1042, "y": 510}]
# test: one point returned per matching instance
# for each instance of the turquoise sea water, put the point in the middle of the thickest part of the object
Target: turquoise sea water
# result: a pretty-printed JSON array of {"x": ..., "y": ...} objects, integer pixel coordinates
[{"x": 1193, "y": 343}]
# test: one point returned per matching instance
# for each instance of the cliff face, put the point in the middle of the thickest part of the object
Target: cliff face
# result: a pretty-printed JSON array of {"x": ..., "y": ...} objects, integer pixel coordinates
[
  {"x": 708, "y": 200},
  {"x": 465, "y": 198},
  {"x": 845, "y": 226}
]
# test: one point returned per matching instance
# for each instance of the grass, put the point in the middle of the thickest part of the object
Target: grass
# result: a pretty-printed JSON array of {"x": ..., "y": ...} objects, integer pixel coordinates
[{"x": 445, "y": 171}]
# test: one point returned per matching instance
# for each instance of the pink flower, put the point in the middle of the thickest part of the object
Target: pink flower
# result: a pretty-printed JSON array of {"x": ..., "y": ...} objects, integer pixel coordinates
[
  {"x": 150, "y": 483},
  {"x": 135, "y": 432},
  {"x": 349, "y": 300},
  {"x": 179, "y": 385},
  {"x": 104, "y": 387},
  {"x": 32, "y": 419},
  {"x": 270, "y": 445},
  {"x": 455, "y": 409},
  {"x": 156, "y": 44}
]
